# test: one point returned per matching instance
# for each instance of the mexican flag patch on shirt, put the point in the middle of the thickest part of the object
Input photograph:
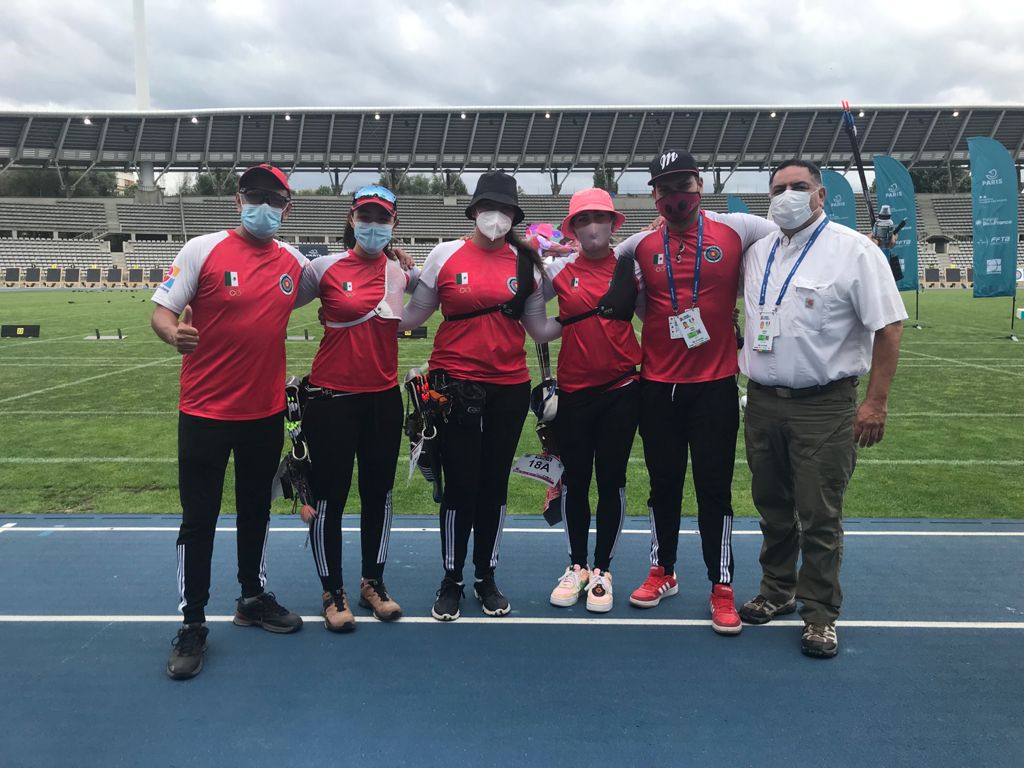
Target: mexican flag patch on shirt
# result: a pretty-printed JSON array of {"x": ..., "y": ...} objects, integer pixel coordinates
[
  {"x": 462, "y": 278},
  {"x": 346, "y": 287},
  {"x": 659, "y": 258},
  {"x": 231, "y": 279}
]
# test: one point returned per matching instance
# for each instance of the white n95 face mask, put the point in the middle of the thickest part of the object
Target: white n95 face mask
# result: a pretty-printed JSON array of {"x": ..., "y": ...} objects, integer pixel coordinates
[
  {"x": 790, "y": 209},
  {"x": 493, "y": 224}
]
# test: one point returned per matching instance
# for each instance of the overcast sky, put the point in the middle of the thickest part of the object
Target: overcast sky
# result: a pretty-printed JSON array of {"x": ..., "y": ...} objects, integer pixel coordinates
[{"x": 252, "y": 53}]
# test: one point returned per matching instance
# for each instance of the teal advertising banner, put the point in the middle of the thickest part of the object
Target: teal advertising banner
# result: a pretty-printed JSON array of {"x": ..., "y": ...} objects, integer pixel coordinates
[
  {"x": 894, "y": 188},
  {"x": 840, "y": 204},
  {"x": 736, "y": 205},
  {"x": 994, "y": 212}
]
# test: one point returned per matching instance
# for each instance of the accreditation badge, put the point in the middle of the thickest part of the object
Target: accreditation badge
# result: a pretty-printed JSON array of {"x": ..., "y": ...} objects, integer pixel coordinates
[
  {"x": 767, "y": 330},
  {"x": 689, "y": 327}
]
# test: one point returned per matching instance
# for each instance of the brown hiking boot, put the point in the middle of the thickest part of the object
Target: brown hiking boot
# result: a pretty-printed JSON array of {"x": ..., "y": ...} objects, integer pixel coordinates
[
  {"x": 337, "y": 615},
  {"x": 374, "y": 595},
  {"x": 820, "y": 641}
]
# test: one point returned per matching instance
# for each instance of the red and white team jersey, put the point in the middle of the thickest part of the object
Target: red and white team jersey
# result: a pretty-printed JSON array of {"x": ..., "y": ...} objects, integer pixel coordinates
[
  {"x": 241, "y": 295},
  {"x": 726, "y": 236},
  {"x": 362, "y": 306},
  {"x": 488, "y": 347},
  {"x": 595, "y": 350}
]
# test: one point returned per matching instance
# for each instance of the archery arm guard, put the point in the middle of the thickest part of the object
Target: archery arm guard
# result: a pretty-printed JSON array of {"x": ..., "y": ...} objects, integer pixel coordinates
[
  {"x": 524, "y": 285},
  {"x": 619, "y": 300}
]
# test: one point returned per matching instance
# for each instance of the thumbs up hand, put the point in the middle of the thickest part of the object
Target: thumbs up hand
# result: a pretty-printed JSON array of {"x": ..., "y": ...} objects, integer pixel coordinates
[{"x": 186, "y": 337}]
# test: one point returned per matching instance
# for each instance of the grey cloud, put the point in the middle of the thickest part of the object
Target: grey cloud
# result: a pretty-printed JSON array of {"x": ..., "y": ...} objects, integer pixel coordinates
[{"x": 306, "y": 53}]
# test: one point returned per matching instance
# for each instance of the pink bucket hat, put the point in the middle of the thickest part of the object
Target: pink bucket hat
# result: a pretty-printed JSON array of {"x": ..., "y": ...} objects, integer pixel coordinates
[{"x": 593, "y": 199}]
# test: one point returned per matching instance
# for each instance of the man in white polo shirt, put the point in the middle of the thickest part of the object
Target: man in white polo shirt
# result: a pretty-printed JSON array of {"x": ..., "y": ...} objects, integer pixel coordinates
[{"x": 822, "y": 310}]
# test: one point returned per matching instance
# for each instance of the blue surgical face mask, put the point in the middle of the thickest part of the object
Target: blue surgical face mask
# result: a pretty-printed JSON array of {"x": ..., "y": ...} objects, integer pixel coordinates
[
  {"x": 261, "y": 221},
  {"x": 373, "y": 237}
]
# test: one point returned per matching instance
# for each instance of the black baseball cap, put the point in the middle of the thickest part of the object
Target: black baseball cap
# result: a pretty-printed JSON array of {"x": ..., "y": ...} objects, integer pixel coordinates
[{"x": 672, "y": 161}]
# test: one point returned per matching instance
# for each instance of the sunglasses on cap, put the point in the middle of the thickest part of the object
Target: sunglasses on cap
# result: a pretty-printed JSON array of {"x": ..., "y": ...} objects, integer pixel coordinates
[
  {"x": 375, "y": 191},
  {"x": 260, "y": 196}
]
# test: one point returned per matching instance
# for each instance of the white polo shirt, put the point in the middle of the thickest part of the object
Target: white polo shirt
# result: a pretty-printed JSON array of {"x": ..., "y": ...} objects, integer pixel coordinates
[{"x": 841, "y": 294}]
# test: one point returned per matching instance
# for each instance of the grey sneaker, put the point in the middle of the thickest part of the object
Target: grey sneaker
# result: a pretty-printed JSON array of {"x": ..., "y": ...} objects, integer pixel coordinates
[
  {"x": 761, "y": 610},
  {"x": 187, "y": 649},
  {"x": 264, "y": 611},
  {"x": 820, "y": 641}
]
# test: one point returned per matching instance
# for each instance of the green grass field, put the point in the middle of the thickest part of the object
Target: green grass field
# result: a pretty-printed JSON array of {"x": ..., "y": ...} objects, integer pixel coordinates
[{"x": 90, "y": 426}]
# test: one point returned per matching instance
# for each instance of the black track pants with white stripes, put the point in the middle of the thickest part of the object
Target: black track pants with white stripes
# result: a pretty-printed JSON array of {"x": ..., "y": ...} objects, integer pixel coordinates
[
  {"x": 363, "y": 426},
  {"x": 704, "y": 418},
  {"x": 203, "y": 449},
  {"x": 595, "y": 433},
  {"x": 476, "y": 457}
]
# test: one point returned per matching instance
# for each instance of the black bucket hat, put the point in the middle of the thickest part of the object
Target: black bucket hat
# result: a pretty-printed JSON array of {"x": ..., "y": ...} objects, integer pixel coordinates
[{"x": 498, "y": 187}]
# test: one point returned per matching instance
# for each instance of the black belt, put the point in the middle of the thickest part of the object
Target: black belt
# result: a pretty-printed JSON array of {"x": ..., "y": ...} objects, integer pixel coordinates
[
  {"x": 817, "y": 389},
  {"x": 323, "y": 393}
]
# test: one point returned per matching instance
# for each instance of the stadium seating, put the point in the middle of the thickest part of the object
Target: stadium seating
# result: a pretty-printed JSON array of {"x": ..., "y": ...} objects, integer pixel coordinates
[
  {"x": 153, "y": 234},
  {"x": 55, "y": 216}
]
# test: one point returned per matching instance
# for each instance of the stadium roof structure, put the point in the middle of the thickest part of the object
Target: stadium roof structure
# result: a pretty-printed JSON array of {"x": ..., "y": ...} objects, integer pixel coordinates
[{"x": 551, "y": 139}]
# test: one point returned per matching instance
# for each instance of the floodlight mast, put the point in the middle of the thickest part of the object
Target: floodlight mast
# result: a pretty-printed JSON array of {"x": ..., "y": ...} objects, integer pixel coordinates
[{"x": 147, "y": 180}]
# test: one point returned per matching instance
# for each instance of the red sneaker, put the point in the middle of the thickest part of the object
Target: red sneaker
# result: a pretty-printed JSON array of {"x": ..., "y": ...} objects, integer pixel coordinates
[
  {"x": 656, "y": 586},
  {"x": 724, "y": 619}
]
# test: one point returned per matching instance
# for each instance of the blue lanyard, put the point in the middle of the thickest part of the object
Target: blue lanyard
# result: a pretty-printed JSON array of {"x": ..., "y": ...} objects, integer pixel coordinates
[
  {"x": 771, "y": 260},
  {"x": 696, "y": 264}
]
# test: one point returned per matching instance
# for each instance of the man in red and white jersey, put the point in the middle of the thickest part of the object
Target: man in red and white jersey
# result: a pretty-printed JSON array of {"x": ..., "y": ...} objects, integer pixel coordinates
[
  {"x": 224, "y": 306},
  {"x": 690, "y": 271}
]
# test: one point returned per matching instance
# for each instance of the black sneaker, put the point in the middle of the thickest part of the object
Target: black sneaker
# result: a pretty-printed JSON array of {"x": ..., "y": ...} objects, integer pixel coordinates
[
  {"x": 761, "y": 610},
  {"x": 264, "y": 611},
  {"x": 187, "y": 649},
  {"x": 487, "y": 592},
  {"x": 446, "y": 606}
]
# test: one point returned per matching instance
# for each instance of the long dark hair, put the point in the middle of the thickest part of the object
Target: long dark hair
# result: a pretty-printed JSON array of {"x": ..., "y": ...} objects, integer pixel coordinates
[{"x": 518, "y": 245}]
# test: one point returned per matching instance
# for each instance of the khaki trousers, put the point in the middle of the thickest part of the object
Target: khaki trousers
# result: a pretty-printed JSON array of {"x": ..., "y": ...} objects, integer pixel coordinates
[{"x": 801, "y": 454}]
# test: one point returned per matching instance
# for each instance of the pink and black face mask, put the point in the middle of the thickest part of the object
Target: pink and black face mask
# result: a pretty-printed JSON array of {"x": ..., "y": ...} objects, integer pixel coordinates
[{"x": 675, "y": 207}]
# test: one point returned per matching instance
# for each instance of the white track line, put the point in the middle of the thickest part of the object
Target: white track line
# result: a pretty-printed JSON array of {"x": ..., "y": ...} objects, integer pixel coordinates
[
  {"x": 85, "y": 460},
  {"x": 62, "y": 365},
  {"x": 897, "y": 415},
  {"x": 22, "y": 343},
  {"x": 81, "y": 381},
  {"x": 18, "y": 528},
  {"x": 87, "y": 358},
  {"x": 929, "y": 365},
  {"x": 102, "y": 413},
  {"x": 19, "y": 460},
  {"x": 965, "y": 364},
  {"x": 946, "y": 414},
  {"x": 521, "y": 621}
]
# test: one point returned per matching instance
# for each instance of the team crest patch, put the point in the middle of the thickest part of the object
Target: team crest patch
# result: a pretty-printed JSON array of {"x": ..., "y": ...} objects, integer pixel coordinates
[
  {"x": 809, "y": 302},
  {"x": 713, "y": 254},
  {"x": 511, "y": 284},
  {"x": 287, "y": 285}
]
